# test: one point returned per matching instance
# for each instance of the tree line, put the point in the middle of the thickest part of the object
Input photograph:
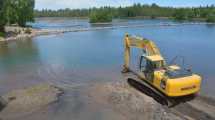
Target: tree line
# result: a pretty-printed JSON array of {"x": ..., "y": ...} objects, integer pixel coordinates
[
  {"x": 137, "y": 10},
  {"x": 16, "y": 12}
]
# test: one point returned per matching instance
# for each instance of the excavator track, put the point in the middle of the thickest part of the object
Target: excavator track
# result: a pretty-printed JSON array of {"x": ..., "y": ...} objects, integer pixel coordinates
[{"x": 188, "y": 107}]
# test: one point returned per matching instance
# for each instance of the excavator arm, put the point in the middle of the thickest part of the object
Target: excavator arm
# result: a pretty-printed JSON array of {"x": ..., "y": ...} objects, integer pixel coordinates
[{"x": 146, "y": 45}]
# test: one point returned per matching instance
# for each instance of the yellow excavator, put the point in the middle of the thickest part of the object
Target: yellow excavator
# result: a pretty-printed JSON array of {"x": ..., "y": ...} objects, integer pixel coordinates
[{"x": 171, "y": 80}]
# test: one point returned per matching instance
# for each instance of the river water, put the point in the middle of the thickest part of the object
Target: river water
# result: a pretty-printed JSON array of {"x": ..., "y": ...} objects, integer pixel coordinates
[{"x": 76, "y": 59}]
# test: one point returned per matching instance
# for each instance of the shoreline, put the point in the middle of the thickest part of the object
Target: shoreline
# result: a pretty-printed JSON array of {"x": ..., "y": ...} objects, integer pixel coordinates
[
  {"x": 132, "y": 18},
  {"x": 40, "y": 32}
]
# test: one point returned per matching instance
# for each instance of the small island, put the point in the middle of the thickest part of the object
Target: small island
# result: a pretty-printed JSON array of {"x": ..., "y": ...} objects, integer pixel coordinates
[{"x": 100, "y": 16}]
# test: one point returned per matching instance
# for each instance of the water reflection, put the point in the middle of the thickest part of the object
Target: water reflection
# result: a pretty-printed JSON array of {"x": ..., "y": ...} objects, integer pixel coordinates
[
  {"x": 18, "y": 63},
  {"x": 17, "y": 53},
  {"x": 210, "y": 25},
  {"x": 4, "y": 49}
]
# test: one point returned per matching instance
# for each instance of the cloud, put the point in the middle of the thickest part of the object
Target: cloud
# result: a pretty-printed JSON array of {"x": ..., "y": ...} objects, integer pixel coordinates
[{"x": 56, "y": 4}]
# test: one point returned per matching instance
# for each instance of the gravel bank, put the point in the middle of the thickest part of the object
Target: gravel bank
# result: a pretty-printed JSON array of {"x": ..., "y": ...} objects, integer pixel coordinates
[{"x": 130, "y": 103}]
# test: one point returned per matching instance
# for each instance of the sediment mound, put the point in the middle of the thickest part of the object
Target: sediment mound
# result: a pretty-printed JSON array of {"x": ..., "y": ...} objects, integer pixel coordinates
[
  {"x": 129, "y": 102},
  {"x": 28, "y": 100}
]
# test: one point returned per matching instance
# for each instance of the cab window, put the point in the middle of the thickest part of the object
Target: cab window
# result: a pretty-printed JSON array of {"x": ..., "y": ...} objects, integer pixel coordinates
[{"x": 154, "y": 65}]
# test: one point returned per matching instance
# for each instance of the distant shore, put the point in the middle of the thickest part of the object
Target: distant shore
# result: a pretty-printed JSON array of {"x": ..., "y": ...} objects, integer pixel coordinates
[
  {"x": 38, "y": 32},
  {"x": 136, "y": 17}
]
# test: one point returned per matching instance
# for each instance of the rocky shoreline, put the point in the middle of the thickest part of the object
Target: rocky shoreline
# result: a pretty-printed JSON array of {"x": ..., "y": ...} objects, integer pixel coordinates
[
  {"x": 130, "y": 103},
  {"x": 37, "y": 32}
]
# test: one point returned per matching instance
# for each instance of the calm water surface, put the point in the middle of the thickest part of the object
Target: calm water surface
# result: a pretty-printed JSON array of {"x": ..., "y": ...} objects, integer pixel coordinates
[{"x": 82, "y": 58}]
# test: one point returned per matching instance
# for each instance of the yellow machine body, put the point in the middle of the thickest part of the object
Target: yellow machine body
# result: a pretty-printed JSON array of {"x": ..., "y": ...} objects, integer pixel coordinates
[
  {"x": 158, "y": 78},
  {"x": 178, "y": 86}
]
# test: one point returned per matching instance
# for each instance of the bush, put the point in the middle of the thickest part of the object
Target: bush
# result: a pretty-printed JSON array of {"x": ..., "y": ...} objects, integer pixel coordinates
[
  {"x": 100, "y": 17},
  {"x": 2, "y": 34},
  {"x": 180, "y": 14},
  {"x": 210, "y": 18}
]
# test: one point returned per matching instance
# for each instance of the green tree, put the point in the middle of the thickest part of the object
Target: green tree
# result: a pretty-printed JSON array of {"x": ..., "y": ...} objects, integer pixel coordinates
[
  {"x": 180, "y": 14},
  {"x": 210, "y": 18},
  {"x": 10, "y": 11},
  {"x": 190, "y": 14},
  {"x": 154, "y": 5},
  {"x": 2, "y": 21},
  {"x": 25, "y": 11},
  {"x": 150, "y": 11},
  {"x": 102, "y": 15},
  {"x": 18, "y": 11}
]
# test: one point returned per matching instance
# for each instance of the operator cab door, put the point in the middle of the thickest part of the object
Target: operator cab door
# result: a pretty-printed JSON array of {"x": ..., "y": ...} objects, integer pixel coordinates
[{"x": 147, "y": 67}]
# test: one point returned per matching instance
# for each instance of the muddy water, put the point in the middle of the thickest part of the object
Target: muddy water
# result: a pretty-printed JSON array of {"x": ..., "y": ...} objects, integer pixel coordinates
[{"x": 76, "y": 60}]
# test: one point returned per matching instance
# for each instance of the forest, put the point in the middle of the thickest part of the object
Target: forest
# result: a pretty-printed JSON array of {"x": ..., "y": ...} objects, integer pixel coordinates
[
  {"x": 17, "y": 12},
  {"x": 204, "y": 13},
  {"x": 22, "y": 11}
]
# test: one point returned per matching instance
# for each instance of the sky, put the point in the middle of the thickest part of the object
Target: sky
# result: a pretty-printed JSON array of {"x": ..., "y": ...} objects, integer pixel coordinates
[{"x": 74, "y": 4}]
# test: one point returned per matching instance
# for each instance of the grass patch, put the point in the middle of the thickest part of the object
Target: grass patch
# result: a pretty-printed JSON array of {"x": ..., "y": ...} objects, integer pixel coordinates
[{"x": 2, "y": 34}]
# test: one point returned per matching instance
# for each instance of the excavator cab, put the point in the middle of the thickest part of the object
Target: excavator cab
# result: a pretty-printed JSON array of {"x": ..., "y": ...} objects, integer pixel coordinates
[{"x": 150, "y": 64}]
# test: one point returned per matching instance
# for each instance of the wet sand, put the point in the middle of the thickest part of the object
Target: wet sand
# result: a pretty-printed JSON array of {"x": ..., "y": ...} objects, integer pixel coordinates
[
  {"x": 103, "y": 100},
  {"x": 26, "y": 101}
]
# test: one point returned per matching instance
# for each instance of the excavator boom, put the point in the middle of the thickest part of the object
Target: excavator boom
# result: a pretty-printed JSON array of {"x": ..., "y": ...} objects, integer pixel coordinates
[{"x": 146, "y": 45}]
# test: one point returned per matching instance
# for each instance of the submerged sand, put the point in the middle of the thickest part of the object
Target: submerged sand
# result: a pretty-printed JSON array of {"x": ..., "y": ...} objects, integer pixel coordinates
[{"x": 26, "y": 101}]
